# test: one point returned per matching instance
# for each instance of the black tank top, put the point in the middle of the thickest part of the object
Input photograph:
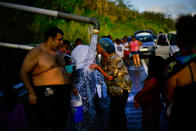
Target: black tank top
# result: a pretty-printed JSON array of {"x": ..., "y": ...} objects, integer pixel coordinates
[
  {"x": 183, "y": 111},
  {"x": 186, "y": 94}
]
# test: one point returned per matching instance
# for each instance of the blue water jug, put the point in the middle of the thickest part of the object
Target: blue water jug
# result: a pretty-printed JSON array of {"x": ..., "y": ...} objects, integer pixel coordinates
[{"x": 77, "y": 109}]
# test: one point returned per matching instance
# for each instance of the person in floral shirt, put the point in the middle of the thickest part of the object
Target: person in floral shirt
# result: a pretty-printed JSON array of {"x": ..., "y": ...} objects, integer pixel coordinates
[{"x": 118, "y": 83}]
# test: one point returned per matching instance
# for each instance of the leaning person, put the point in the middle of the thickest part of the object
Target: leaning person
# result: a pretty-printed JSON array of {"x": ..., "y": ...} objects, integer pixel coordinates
[{"x": 118, "y": 83}]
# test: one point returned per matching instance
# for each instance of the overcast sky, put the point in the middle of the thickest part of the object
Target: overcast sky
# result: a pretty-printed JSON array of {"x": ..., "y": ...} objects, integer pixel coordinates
[{"x": 169, "y": 7}]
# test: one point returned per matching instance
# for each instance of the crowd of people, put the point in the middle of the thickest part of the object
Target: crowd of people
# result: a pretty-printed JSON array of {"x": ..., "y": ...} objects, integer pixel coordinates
[{"x": 50, "y": 75}]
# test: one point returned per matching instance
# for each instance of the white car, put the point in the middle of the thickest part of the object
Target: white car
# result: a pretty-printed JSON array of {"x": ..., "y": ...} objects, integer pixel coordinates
[
  {"x": 148, "y": 45},
  {"x": 162, "y": 46},
  {"x": 172, "y": 40}
]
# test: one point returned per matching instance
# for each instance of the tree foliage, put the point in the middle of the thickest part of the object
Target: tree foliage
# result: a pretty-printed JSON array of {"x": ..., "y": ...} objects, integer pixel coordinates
[{"x": 115, "y": 17}]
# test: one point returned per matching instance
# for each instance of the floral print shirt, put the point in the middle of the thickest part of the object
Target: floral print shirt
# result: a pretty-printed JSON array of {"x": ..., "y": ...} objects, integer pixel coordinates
[{"x": 114, "y": 66}]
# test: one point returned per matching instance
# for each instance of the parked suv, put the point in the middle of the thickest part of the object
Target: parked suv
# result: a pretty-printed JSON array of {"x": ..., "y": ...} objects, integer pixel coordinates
[{"x": 148, "y": 46}]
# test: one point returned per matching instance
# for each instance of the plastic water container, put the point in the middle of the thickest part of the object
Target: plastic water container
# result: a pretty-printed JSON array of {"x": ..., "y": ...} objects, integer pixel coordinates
[{"x": 77, "y": 109}]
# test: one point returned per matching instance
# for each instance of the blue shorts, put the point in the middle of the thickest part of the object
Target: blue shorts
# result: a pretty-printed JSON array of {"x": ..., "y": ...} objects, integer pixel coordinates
[{"x": 135, "y": 52}]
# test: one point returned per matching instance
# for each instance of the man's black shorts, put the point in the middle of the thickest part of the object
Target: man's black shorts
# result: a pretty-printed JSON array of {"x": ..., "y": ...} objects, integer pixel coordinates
[{"x": 53, "y": 105}]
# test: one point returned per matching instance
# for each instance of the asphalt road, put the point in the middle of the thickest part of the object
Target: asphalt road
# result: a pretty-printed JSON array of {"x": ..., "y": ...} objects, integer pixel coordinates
[{"x": 134, "y": 116}]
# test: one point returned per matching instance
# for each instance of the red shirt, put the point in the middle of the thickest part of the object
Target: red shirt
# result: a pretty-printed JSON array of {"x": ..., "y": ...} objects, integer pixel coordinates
[
  {"x": 149, "y": 96},
  {"x": 134, "y": 45}
]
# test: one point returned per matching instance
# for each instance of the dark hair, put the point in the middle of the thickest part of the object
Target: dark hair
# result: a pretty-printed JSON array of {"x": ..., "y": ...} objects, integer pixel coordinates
[
  {"x": 67, "y": 60},
  {"x": 125, "y": 37},
  {"x": 52, "y": 32},
  {"x": 77, "y": 41},
  {"x": 156, "y": 67},
  {"x": 109, "y": 36},
  {"x": 104, "y": 37},
  {"x": 66, "y": 42},
  {"x": 117, "y": 41},
  {"x": 185, "y": 27}
]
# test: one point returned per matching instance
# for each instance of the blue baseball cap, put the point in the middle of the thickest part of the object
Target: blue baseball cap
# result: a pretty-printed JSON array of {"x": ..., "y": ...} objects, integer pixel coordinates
[{"x": 107, "y": 44}]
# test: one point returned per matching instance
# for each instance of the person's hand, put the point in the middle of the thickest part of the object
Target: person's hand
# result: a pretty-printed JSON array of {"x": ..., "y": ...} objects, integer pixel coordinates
[
  {"x": 110, "y": 78},
  {"x": 137, "y": 98},
  {"x": 32, "y": 98},
  {"x": 168, "y": 112},
  {"x": 93, "y": 66},
  {"x": 136, "y": 104},
  {"x": 75, "y": 91}
]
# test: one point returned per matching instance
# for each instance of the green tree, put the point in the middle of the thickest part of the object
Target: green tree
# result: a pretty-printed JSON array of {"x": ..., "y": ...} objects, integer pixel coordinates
[{"x": 116, "y": 17}]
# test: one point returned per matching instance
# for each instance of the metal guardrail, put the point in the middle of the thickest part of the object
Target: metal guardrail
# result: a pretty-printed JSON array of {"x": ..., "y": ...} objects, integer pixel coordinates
[{"x": 10, "y": 45}]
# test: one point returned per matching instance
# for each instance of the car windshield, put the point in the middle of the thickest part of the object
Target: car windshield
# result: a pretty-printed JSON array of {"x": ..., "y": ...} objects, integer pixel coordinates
[
  {"x": 147, "y": 38},
  {"x": 129, "y": 39}
]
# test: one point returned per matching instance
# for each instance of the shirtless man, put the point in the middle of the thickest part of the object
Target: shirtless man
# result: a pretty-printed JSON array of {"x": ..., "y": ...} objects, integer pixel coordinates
[{"x": 47, "y": 82}]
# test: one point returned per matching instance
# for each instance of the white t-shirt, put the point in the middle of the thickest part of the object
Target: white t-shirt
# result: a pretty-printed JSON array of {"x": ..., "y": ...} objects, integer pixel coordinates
[
  {"x": 126, "y": 44},
  {"x": 119, "y": 49},
  {"x": 79, "y": 54}
]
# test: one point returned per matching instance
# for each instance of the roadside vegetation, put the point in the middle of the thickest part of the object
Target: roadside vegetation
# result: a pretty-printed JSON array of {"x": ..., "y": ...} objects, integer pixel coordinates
[{"x": 115, "y": 17}]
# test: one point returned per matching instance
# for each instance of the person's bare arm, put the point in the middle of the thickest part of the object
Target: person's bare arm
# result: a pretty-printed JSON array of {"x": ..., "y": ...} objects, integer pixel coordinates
[
  {"x": 140, "y": 43},
  {"x": 95, "y": 66},
  {"x": 71, "y": 79},
  {"x": 28, "y": 64},
  {"x": 170, "y": 85}
]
